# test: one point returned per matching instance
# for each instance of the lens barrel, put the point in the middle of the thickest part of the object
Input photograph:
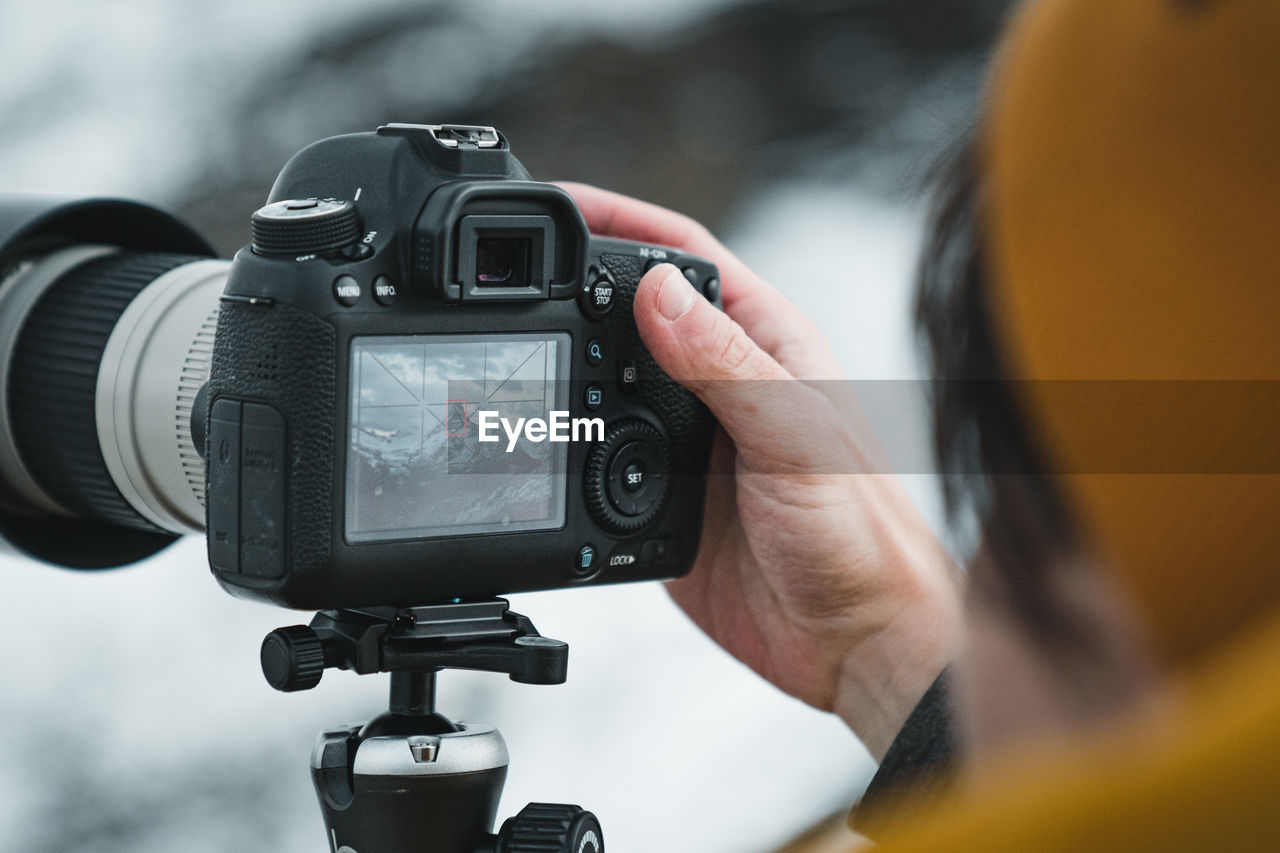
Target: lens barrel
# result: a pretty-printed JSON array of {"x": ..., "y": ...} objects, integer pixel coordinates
[
  {"x": 71, "y": 277},
  {"x": 53, "y": 386}
]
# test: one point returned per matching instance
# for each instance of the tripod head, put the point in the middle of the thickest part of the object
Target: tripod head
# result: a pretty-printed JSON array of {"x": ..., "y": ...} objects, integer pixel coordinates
[{"x": 412, "y": 779}]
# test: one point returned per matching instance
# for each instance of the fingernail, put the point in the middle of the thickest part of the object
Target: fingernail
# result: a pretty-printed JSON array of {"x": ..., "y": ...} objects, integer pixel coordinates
[{"x": 675, "y": 295}]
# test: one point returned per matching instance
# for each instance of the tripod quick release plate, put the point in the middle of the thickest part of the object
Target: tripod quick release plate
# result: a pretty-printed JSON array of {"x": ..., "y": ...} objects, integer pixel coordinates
[{"x": 479, "y": 635}]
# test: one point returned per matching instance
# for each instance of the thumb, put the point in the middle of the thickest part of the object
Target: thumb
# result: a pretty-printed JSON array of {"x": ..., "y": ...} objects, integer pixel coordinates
[{"x": 704, "y": 350}]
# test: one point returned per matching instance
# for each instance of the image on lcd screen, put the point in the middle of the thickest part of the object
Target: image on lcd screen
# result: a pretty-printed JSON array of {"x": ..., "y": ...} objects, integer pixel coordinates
[{"x": 415, "y": 465}]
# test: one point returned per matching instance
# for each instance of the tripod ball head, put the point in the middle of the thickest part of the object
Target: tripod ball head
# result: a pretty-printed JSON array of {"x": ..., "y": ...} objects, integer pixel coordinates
[{"x": 411, "y": 776}]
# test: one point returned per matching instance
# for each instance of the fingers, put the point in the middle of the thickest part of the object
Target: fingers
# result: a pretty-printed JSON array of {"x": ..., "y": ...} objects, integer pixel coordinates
[
  {"x": 768, "y": 317},
  {"x": 611, "y": 214},
  {"x": 759, "y": 403},
  {"x": 693, "y": 341}
]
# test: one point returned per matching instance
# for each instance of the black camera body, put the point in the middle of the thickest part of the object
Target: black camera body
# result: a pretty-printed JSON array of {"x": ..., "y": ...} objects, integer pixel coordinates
[{"x": 405, "y": 289}]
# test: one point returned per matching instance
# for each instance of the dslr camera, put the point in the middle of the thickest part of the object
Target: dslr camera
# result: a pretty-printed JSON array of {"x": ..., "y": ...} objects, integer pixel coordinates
[
  {"x": 421, "y": 386},
  {"x": 421, "y": 382}
]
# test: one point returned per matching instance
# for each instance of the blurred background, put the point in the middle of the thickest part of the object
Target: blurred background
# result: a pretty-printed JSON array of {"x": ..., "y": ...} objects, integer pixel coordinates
[{"x": 801, "y": 131}]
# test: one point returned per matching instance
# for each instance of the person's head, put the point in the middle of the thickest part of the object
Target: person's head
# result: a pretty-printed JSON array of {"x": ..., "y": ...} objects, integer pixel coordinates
[{"x": 1105, "y": 246}]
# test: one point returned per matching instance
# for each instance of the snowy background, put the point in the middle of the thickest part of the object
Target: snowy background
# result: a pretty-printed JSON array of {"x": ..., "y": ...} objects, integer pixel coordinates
[{"x": 800, "y": 130}]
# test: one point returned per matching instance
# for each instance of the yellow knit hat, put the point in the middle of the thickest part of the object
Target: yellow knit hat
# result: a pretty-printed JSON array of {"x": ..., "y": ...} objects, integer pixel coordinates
[{"x": 1132, "y": 174}]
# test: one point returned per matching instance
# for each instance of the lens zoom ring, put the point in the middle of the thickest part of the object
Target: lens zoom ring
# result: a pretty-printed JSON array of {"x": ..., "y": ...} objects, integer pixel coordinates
[{"x": 54, "y": 380}]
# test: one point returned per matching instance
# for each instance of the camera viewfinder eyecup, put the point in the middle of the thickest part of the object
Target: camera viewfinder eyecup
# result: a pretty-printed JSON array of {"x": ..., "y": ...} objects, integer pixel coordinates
[{"x": 537, "y": 224}]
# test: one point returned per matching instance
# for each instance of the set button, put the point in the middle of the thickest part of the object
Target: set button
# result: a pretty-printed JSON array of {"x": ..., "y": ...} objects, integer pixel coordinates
[{"x": 635, "y": 478}]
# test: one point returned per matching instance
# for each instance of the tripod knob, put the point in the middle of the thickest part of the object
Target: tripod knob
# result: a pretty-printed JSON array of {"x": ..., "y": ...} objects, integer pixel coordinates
[
  {"x": 551, "y": 828},
  {"x": 293, "y": 658}
]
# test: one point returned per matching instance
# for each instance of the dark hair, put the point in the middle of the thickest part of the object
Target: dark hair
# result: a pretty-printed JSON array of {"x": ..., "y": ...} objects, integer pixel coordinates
[{"x": 990, "y": 464}]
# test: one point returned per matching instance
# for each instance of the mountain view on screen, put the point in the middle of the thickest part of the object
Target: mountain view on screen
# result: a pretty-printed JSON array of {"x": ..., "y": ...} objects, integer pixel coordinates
[{"x": 416, "y": 466}]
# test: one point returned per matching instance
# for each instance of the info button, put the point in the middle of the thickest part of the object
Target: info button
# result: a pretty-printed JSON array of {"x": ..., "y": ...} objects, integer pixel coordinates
[{"x": 384, "y": 291}]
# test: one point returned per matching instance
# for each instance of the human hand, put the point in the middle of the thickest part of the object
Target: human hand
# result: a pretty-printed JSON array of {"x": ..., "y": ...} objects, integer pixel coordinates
[{"x": 815, "y": 568}]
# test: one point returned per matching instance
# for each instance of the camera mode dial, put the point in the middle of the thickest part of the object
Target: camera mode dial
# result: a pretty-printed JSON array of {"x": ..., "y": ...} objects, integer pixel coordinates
[
  {"x": 304, "y": 226},
  {"x": 628, "y": 476}
]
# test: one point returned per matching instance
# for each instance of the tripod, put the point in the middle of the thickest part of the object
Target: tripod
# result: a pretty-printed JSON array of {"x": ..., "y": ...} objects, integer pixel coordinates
[{"x": 411, "y": 779}]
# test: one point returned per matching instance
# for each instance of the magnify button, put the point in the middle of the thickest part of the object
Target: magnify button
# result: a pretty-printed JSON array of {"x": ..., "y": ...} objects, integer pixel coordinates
[{"x": 595, "y": 352}]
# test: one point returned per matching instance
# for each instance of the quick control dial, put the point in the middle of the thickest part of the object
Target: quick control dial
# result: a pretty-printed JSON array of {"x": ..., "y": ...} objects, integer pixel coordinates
[
  {"x": 304, "y": 226},
  {"x": 628, "y": 476}
]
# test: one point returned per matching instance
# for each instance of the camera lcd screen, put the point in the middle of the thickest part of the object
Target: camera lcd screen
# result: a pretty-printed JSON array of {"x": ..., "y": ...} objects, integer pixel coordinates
[{"x": 415, "y": 465}]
